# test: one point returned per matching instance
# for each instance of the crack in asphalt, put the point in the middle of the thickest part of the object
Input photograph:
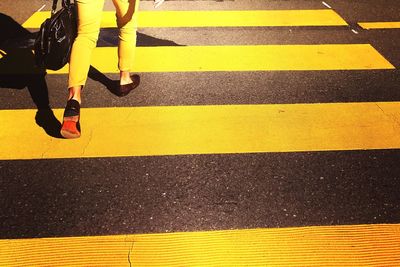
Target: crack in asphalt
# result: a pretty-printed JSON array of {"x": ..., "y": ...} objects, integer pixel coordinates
[
  {"x": 390, "y": 116},
  {"x": 129, "y": 254}
]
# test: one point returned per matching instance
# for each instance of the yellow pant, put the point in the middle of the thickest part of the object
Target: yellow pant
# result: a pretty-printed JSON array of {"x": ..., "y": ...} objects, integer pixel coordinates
[{"x": 89, "y": 18}]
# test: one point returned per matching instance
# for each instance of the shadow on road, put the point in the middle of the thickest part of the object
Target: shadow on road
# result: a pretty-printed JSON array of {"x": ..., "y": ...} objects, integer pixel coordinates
[
  {"x": 18, "y": 71},
  {"x": 109, "y": 37}
]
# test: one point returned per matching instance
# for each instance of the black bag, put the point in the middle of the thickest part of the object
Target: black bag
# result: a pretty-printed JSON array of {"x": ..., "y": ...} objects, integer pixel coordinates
[{"x": 54, "y": 41}]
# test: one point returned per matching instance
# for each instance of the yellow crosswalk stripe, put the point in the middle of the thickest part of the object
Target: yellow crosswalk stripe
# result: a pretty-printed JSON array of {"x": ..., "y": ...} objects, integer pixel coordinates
[
  {"x": 245, "y": 18},
  {"x": 380, "y": 25},
  {"x": 180, "y": 130},
  {"x": 237, "y": 58},
  {"x": 241, "y": 58},
  {"x": 353, "y": 245}
]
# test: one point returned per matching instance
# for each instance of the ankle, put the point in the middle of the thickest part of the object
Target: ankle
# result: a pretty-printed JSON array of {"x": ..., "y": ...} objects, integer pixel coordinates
[
  {"x": 125, "y": 77},
  {"x": 75, "y": 93}
]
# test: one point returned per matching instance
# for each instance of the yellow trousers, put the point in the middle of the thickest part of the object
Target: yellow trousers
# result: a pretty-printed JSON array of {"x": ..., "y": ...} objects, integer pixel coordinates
[{"x": 89, "y": 19}]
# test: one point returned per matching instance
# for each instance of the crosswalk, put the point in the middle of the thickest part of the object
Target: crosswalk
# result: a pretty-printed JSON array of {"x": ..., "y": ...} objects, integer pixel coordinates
[
  {"x": 252, "y": 58},
  {"x": 218, "y": 129},
  {"x": 226, "y": 18},
  {"x": 210, "y": 130}
]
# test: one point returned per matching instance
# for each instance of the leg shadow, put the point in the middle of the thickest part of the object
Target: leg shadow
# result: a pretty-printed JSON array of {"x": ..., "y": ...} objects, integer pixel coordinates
[
  {"x": 96, "y": 75},
  {"x": 109, "y": 37},
  {"x": 18, "y": 71}
]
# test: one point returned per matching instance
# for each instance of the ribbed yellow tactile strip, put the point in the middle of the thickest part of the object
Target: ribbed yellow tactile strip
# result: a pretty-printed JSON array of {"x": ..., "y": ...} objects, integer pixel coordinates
[
  {"x": 181, "y": 130},
  {"x": 380, "y": 25},
  {"x": 243, "y": 58},
  {"x": 356, "y": 245},
  {"x": 231, "y": 18}
]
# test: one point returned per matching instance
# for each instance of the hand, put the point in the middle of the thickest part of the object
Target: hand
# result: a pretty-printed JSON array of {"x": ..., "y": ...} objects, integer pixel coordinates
[{"x": 158, "y": 3}]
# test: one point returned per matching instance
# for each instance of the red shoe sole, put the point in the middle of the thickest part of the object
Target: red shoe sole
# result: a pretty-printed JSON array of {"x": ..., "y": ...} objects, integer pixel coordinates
[{"x": 69, "y": 129}]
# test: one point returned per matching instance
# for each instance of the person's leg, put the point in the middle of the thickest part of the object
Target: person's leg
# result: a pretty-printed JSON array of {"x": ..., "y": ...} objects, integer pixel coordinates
[
  {"x": 126, "y": 12},
  {"x": 89, "y": 18}
]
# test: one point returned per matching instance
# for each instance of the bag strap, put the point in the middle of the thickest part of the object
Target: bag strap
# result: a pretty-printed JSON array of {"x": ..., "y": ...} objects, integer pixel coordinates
[
  {"x": 54, "y": 7},
  {"x": 64, "y": 3}
]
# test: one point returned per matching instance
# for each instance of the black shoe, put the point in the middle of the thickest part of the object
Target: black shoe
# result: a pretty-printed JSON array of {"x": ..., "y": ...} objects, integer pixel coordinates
[
  {"x": 125, "y": 89},
  {"x": 71, "y": 127},
  {"x": 45, "y": 118}
]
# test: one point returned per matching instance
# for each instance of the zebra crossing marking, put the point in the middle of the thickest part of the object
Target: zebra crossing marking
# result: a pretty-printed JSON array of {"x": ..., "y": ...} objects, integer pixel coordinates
[
  {"x": 225, "y": 58},
  {"x": 380, "y": 25},
  {"x": 234, "y": 129},
  {"x": 352, "y": 245},
  {"x": 226, "y": 18},
  {"x": 214, "y": 129},
  {"x": 252, "y": 58}
]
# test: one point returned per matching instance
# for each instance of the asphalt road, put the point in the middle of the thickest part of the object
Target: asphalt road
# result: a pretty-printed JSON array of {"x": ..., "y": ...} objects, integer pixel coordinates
[{"x": 103, "y": 196}]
